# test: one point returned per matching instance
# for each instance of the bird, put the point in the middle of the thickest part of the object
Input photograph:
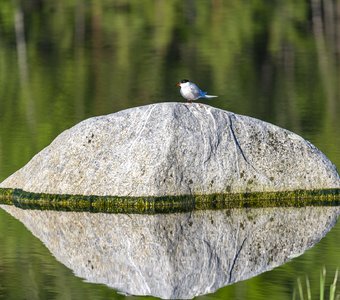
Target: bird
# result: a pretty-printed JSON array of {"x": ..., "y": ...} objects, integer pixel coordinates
[{"x": 191, "y": 92}]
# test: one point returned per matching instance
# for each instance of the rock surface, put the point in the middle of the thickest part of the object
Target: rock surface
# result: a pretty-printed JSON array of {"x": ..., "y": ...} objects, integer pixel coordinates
[
  {"x": 175, "y": 149},
  {"x": 177, "y": 256}
]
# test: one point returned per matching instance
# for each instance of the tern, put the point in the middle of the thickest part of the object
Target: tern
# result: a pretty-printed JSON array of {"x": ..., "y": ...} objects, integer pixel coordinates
[{"x": 191, "y": 92}]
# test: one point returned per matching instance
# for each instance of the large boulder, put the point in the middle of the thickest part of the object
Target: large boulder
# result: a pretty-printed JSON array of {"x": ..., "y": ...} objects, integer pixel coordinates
[{"x": 175, "y": 149}]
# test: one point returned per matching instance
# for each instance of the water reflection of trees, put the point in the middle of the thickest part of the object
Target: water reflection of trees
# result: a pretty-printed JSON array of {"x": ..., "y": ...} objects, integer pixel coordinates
[{"x": 62, "y": 61}]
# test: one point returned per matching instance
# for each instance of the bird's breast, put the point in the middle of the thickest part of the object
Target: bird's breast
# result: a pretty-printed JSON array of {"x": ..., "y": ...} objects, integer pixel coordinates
[{"x": 188, "y": 94}]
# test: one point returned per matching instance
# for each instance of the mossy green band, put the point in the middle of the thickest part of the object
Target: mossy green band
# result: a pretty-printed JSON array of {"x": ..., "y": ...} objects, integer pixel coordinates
[{"x": 168, "y": 204}]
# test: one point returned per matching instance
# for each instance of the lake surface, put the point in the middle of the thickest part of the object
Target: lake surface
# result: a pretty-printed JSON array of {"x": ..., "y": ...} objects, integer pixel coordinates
[
  {"x": 64, "y": 61},
  {"x": 178, "y": 255}
]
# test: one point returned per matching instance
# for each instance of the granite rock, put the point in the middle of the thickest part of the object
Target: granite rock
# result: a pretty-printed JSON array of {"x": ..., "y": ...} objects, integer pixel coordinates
[{"x": 175, "y": 149}]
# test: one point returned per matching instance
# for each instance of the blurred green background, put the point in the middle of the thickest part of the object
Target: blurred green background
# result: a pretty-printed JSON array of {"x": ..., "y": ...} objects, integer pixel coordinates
[
  {"x": 67, "y": 60},
  {"x": 64, "y": 61}
]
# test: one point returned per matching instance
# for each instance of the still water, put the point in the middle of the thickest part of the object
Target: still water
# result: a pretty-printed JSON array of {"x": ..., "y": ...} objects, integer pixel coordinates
[{"x": 64, "y": 61}]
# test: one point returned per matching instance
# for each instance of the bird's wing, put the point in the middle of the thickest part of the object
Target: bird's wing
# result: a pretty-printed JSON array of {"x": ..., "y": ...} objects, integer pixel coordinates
[{"x": 196, "y": 92}]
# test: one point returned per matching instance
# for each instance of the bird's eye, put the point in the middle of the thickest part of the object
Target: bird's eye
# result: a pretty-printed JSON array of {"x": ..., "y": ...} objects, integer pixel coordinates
[{"x": 184, "y": 80}]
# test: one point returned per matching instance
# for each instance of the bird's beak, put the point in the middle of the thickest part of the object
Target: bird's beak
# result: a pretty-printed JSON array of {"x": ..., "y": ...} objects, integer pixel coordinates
[{"x": 178, "y": 84}]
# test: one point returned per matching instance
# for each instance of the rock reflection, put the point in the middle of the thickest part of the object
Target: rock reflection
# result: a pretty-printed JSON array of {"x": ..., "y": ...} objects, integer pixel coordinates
[{"x": 177, "y": 255}]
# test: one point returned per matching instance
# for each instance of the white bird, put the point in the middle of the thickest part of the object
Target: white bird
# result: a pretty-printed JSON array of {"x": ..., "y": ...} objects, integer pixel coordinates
[{"x": 191, "y": 91}]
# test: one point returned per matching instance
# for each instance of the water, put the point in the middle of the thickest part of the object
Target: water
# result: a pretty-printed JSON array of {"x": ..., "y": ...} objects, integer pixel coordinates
[
  {"x": 84, "y": 240},
  {"x": 64, "y": 61}
]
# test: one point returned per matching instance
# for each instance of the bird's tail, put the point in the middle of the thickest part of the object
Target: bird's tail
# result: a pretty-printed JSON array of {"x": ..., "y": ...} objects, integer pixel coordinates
[{"x": 210, "y": 96}]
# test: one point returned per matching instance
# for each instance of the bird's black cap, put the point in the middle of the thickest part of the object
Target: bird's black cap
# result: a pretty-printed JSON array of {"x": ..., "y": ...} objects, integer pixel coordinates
[{"x": 184, "y": 80}]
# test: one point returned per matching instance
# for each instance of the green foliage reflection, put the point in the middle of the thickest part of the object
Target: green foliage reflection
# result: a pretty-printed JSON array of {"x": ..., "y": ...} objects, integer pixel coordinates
[{"x": 63, "y": 61}]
